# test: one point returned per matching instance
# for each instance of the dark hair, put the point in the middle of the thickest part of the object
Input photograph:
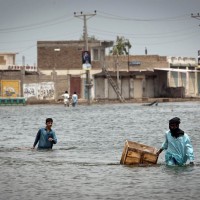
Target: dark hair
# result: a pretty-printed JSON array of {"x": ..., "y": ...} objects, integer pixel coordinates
[
  {"x": 66, "y": 91},
  {"x": 175, "y": 120},
  {"x": 49, "y": 120}
]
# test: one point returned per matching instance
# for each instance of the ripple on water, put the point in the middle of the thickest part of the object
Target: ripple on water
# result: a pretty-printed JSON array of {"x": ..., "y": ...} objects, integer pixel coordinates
[{"x": 85, "y": 162}]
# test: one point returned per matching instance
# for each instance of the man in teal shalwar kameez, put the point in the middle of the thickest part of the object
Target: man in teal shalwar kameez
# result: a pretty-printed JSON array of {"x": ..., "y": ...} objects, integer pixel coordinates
[{"x": 177, "y": 145}]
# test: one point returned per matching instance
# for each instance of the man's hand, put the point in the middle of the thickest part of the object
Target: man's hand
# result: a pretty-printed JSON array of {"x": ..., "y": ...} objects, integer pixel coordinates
[
  {"x": 159, "y": 151},
  {"x": 50, "y": 139}
]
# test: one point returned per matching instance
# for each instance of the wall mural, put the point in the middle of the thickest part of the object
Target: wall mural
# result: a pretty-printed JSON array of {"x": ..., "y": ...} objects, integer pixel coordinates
[
  {"x": 10, "y": 88},
  {"x": 43, "y": 90}
]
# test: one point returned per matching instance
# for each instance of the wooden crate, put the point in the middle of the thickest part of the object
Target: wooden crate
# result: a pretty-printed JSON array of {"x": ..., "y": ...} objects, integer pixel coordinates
[{"x": 135, "y": 153}]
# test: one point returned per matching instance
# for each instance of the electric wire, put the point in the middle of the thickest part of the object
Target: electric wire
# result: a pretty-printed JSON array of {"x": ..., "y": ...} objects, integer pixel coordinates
[
  {"x": 34, "y": 26},
  {"x": 147, "y": 35},
  {"x": 116, "y": 17},
  {"x": 172, "y": 36}
]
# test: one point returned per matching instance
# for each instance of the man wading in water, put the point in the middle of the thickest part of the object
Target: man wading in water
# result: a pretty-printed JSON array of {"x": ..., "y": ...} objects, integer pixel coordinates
[
  {"x": 45, "y": 136},
  {"x": 177, "y": 145},
  {"x": 66, "y": 98}
]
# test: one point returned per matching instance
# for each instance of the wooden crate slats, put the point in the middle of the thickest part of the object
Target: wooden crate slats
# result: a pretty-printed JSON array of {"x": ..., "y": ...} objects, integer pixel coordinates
[{"x": 136, "y": 153}]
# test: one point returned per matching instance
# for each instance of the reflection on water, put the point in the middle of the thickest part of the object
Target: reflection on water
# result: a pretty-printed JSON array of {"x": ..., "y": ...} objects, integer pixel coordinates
[{"x": 85, "y": 162}]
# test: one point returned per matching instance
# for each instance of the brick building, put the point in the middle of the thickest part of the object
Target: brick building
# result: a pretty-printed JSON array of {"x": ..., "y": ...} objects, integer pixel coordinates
[
  {"x": 137, "y": 76},
  {"x": 63, "y": 61}
]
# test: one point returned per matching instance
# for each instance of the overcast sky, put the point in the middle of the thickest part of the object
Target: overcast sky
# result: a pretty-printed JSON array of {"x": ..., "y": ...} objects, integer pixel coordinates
[{"x": 165, "y": 27}]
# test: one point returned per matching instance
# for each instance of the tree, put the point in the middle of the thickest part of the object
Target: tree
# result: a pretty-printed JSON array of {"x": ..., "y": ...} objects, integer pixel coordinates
[{"x": 121, "y": 47}]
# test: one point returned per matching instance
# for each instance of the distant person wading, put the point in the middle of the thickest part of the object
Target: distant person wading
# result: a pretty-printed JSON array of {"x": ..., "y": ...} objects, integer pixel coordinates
[
  {"x": 74, "y": 99},
  {"x": 66, "y": 98}
]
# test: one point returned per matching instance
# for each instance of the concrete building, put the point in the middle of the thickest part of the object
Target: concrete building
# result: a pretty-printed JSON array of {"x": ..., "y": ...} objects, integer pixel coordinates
[
  {"x": 60, "y": 69},
  {"x": 184, "y": 72},
  {"x": 7, "y": 62},
  {"x": 63, "y": 61},
  {"x": 12, "y": 76},
  {"x": 7, "y": 59},
  {"x": 134, "y": 75}
]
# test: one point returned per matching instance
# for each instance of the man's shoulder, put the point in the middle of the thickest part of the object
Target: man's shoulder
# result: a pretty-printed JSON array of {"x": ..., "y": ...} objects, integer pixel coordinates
[
  {"x": 52, "y": 131},
  {"x": 42, "y": 129},
  {"x": 186, "y": 135},
  {"x": 167, "y": 132}
]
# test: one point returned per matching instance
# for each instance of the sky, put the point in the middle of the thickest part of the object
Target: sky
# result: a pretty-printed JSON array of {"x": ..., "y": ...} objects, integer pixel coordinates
[{"x": 164, "y": 27}]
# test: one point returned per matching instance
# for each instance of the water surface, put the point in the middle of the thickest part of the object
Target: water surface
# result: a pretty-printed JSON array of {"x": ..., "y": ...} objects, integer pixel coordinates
[{"x": 84, "y": 164}]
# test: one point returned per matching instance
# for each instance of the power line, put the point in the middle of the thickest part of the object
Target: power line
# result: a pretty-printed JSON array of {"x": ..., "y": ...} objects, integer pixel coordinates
[
  {"x": 34, "y": 25},
  {"x": 116, "y": 17},
  {"x": 46, "y": 37},
  {"x": 149, "y": 35}
]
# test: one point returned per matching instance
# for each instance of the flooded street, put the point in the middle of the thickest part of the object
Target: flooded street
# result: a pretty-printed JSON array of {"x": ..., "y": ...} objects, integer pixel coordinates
[{"x": 84, "y": 164}]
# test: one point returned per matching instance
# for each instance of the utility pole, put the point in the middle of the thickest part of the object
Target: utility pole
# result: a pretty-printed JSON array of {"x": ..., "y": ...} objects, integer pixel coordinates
[
  {"x": 23, "y": 60},
  {"x": 197, "y": 16},
  {"x": 85, "y": 17}
]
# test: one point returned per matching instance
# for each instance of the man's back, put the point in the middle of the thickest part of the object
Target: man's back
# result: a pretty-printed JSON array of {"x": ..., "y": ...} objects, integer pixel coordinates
[
  {"x": 74, "y": 97},
  {"x": 66, "y": 96}
]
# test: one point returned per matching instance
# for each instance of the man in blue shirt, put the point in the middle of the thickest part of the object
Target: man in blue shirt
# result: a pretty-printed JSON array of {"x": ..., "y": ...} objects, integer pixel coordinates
[
  {"x": 177, "y": 145},
  {"x": 74, "y": 99},
  {"x": 45, "y": 136}
]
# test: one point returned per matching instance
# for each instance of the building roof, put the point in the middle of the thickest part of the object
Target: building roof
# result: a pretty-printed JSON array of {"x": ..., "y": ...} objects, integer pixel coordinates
[
  {"x": 105, "y": 43},
  {"x": 8, "y": 53},
  {"x": 176, "y": 70}
]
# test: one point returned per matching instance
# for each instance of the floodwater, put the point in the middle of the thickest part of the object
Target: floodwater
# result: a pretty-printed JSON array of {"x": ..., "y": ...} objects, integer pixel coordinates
[{"x": 84, "y": 164}]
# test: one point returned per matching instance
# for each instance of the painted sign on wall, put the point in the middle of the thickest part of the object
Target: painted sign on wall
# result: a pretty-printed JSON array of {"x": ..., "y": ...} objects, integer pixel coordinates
[
  {"x": 10, "y": 88},
  {"x": 43, "y": 90}
]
